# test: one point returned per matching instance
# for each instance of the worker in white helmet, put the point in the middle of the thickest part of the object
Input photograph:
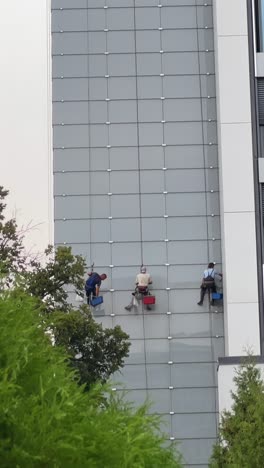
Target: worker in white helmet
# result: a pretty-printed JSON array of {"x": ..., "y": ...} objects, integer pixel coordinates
[{"x": 143, "y": 280}]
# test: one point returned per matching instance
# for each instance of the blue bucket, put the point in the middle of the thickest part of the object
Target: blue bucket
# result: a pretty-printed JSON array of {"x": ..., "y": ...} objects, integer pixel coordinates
[
  {"x": 217, "y": 296},
  {"x": 97, "y": 301}
]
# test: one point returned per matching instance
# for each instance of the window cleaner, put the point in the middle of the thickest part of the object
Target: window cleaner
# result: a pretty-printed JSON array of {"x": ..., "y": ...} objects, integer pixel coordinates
[
  {"x": 92, "y": 288},
  {"x": 208, "y": 283},
  {"x": 143, "y": 280}
]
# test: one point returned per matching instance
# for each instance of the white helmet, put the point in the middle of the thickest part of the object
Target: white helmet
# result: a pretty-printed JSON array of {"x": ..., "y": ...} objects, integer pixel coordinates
[{"x": 143, "y": 269}]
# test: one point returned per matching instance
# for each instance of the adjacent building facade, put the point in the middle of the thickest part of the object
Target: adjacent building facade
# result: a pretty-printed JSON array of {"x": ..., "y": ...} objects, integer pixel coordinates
[{"x": 158, "y": 117}]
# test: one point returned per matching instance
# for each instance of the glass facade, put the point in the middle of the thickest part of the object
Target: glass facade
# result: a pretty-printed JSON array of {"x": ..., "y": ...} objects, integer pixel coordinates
[{"x": 136, "y": 182}]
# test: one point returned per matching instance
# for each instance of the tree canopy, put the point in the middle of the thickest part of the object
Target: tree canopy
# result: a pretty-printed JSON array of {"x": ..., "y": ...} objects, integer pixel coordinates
[
  {"x": 47, "y": 420},
  {"x": 94, "y": 352},
  {"x": 241, "y": 433}
]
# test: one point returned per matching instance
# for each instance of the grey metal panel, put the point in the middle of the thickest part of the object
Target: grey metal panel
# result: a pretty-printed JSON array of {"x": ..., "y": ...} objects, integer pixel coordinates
[
  {"x": 185, "y": 300},
  {"x": 147, "y": 18},
  {"x": 97, "y": 88},
  {"x": 187, "y": 252},
  {"x": 99, "y": 183},
  {"x": 180, "y": 17},
  {"x": 100, "y": 230},
  {"x": 69, "y": 20},
  {"x": 190, "y": 326},
  {"x": 134, "y": 376},
  {"x": 186, "y": 204},
  {"x": 126, "y": 254},
  {"x": 70, "y": 136},
  {"x": 70, "y": 89},
  {"x": 184, "y": 276},
  {"x": 194, "y": 425},
  {"x": 153, "y": 229},
  {"x": 69, "y": 159},
  {"x": 193, "y": 375},
  {"x": 97, "y": 65},
  {"x": 136, "y": 356},
  {"x": 181, "y": 86},
  {"x": 122, "y": 18},
  {"x": 149, "y": 64},
  {"x": 123, "y": 158},
  {"x": 69, "y": 4},
  {"x": 205, "y": 40},
  {"x": 179, "y": 40},
  {"x": 96, "y": 19},
  {"x": 150, "y": 134},
  {"x": 158, "y": 375},
  {"x": 99, "y": 159},
  {"x": 98, "y": 135},
  {"x": 188, "y": 350},
  {"x": 120, "y": 41},
  {"x": 180, "y": 63},
  {"x": 125, "y": 230},
  {"x": 148, "y": 41},
  {"x": 208, "y": 86},
  {"x": 207, "y": 63},
  {"x": 156, "y": 326},
  {"x": 122, "y": 88},
  {"x": 122, "y": 111},
  {"x": 154, "y": 253},
  {"x": 149, "y": 87},
  {"x": 193, "y": 400},
  {"x": 182, "y": 109},
  {"x": 121, "y": 64},
  {"x": 123, "y": 134},
  {"x": 187, "y": 228},
  {"x": 81, "y": 207},
  {"x": 124, "y": 182},
  {"x": 183, "y": 133},
  {"x": 69, "y": 66},
  {"x": 197, "y": 451},
  {"x": 120, "y": 3},
  {"x": 70, "y": 43},
  {"x": 150, "y": 110},
  {"x": 97, "y": 42},
  {"x": 185, "y": 180},
  {"x": 152, "y": 205},
  {"x": 71, "y": 183},
  {"x": 204, "y": 16},
  {"x": 72, "y": 231},
  {"x": 160, "y": 399},
  {"x": 97, "y": 112},
  {"x": 151, "y": 157},
  {"x": 70, "y": 112},
  {"x": 158, "y": 352},
  {"x": 125, "y": 205}
]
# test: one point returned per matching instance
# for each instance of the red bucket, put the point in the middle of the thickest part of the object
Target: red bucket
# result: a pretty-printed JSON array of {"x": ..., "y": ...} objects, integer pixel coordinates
[{"x": 148, "y": 300}]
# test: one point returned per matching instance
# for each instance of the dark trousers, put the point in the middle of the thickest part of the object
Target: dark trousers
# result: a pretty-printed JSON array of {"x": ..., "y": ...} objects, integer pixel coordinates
[
  {"x": 204, "y": 288},
  {"x": 91, "y": 292}
]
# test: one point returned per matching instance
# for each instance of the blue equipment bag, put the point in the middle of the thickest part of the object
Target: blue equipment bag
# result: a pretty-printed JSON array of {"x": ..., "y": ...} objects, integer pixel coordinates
[
  {"x": 97, "y": 301},
  {"x": 217, "y": 296}
]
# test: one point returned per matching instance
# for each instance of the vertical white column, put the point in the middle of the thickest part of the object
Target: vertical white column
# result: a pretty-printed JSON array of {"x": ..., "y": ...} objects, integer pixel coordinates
[
  {"x": 25, "y": 118},
  {"x": 236, "y": 177}
]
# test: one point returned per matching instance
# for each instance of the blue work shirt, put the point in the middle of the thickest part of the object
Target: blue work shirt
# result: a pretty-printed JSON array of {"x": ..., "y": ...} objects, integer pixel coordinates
[{"x": 92, "y": 281}]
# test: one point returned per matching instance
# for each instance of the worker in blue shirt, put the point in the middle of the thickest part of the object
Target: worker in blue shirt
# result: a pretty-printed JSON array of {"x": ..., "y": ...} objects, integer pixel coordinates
[
  {"x": 92, "y": 285},
  {"x": 208, "y": 282}
]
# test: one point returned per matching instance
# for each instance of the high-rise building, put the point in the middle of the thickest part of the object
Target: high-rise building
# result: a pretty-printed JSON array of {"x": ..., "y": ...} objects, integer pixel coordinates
[{"x": 158, "y": 117}]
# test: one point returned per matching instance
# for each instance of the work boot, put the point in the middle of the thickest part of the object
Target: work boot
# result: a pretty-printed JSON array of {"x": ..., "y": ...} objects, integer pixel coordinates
[
  {"x": 148, "y": 307},
  {"x": 200, "y": 303},
  {"x": 129, "y": 307}
]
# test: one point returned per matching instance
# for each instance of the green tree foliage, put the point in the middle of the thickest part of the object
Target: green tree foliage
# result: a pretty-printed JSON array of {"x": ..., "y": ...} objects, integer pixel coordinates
[
  {"x": 11, "y": 245},
  {"x": 241, "y": 434},
  {"x": 99, "y": 352},
  {"x": 48, "y": 421},
  {"x": 49, "y": 281},
  {"x": 95, "y": 352}
]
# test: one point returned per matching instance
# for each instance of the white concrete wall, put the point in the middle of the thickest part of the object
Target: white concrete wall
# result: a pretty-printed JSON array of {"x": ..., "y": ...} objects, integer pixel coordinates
[
  {"x": 236, "y": 177},
  {"x": 25, "y": 118}
]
